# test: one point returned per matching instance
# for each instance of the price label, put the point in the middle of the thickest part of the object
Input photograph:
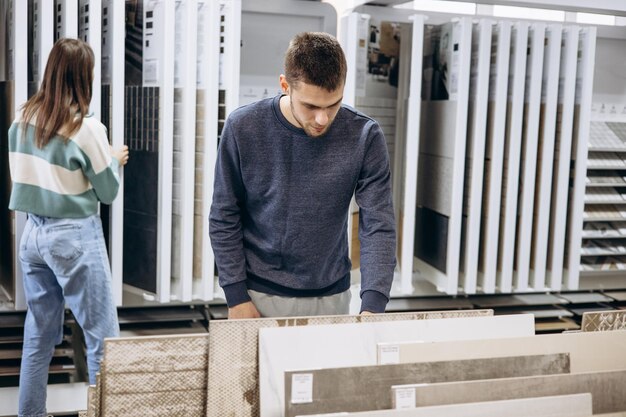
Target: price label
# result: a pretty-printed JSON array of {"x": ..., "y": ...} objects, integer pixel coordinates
[
  {"x": 389, "y": 354},
  {"x": 301, "y": 388},
  {"x": 405, "y": 398}
]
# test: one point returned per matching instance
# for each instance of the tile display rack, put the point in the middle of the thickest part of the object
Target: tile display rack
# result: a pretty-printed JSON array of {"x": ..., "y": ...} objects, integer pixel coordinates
[
  {"x": 64, "y": 366},
  {"x": 603, "y": 248}
]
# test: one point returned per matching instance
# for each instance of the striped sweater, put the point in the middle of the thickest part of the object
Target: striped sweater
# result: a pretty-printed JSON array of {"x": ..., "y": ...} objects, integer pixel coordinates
[{"x": 63, "y": 180}]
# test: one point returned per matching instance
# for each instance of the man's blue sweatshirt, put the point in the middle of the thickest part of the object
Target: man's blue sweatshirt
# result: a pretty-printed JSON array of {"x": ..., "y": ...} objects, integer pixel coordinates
[{"x": 278, "y": 221}]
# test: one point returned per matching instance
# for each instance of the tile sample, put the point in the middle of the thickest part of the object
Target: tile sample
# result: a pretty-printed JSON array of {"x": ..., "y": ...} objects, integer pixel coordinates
[
  {"x": 517, "y": 300},
  {"x": 91, "y": 401},
  {"x": 188, "y": 403},
  {"x": 98, "y": 397},
  {"x": 545, "y": 156},
  {"x": 441, "y": 160},
  {"x": 494, "y": 156},
  {"x": 153, "y": 376},
  {"x": 339, "y": 389},
  {"x": 512, "y": 151},
  {"x": 575, "y": 405},
  {"x": 475, "y": 153},
  {"x": 582, "y": 108},
  {"x": 532, "y": 107},
  {"x": 607, "y": 389},
  {"x": 156, "y": 353},
  {"x": 586, "y": 298},
  {"x": 603, "y": 321},
  {"x": 563, "y": 150},
  {"x": 592, "y": 351},
  {"x": 233, "y": 387},
  {"x": 282, "y": 349}
]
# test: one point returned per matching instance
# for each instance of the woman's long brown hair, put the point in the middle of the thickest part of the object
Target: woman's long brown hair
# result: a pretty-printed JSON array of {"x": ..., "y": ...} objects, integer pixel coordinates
[{"x": 65, "y": 93}]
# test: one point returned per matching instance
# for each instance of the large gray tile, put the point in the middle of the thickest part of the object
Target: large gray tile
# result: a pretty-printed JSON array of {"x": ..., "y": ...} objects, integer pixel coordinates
[
  {"x": 366, "y": 388},
  {"x": 577, "y": 405},
  {"x": 607, "y": 389},
  {"x": 617, "y": 295},
  {"x": 342, "y": 345},
  {"x": 487, "y": 301},
  {"x": 233, "y": 383},
  {"x": 586, "y": 297}
]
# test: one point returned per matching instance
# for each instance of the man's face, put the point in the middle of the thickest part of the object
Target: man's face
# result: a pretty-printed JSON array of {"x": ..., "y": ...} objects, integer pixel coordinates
[{"x": 314, "y": 108}]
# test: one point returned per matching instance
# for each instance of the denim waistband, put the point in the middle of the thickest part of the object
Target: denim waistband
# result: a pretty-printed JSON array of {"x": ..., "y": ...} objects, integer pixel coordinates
[{"x": 43, "y": 220}]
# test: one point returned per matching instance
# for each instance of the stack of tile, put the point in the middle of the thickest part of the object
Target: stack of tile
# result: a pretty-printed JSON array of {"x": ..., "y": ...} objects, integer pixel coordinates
[
  {"x": 354, "y": 344},
  {"x": 152, "y": 376},
  {"x": 483, "y": 377},
  {"x": 342, "y": 389},
  {"x": 596, "y": 362},
  {"x": 233, "y": 388}
]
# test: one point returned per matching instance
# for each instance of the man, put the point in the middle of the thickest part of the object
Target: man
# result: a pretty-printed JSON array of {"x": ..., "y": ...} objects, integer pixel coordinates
[{"x": 286, "y": 171}]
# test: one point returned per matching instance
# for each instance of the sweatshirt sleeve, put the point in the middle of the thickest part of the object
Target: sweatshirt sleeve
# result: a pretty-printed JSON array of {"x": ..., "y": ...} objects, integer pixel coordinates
[
  {"x": 101, "y": 168},
  {"x": 225, "y": 220},
  {"x": 377, "y": 232}
]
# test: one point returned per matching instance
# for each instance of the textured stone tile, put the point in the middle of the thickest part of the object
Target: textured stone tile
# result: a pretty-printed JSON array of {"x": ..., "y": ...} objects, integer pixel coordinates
[
  {"x": 603, "y": 321},
  {"x": 366, "y": 388},
  {"x": 233, "y": 384},
  {"x": 146, "y": 382},
  {"x": 188, "y": 403},
  {"x": 156, "y": 354},
  {"x": 91, "y": 401},
  {"x": 155, "y": 376},
  {"x": 607, "y": 389}
]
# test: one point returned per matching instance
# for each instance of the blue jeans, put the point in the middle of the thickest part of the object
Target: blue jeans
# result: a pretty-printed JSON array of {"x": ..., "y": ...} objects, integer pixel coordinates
[{"x": 64, "y": 261}]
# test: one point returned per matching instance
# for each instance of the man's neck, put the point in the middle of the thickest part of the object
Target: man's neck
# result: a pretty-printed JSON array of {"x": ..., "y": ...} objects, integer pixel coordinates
[{"x": 285, "y": 109}]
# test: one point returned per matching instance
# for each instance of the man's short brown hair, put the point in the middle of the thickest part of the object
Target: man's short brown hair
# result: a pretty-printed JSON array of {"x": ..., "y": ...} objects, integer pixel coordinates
[{"x": 315, "y": 58}]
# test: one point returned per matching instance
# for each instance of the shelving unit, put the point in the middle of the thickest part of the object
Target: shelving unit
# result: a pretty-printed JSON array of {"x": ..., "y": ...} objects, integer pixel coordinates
[
  {"x": 604, "y": 242},
  {"x": 244, "y": 74}
]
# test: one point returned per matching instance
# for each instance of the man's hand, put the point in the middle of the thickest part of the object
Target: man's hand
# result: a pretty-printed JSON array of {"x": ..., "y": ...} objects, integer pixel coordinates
[
  {"x": 245, "y": 310},
  {"x": 367, "y": 313}
]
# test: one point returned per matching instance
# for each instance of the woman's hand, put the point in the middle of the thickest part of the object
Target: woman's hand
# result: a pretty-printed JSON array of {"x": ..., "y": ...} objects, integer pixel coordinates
[{"x": 121, "y": 154}]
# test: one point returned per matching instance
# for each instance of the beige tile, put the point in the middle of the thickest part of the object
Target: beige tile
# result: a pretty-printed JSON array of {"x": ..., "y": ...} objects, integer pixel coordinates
[
  {"x": 593, "y": 351},
  {"x": 607, "y": 389},
  {"x": 577, "y": 405}
]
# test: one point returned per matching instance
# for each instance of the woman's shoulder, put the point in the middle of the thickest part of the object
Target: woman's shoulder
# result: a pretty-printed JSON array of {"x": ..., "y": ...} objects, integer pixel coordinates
[{"x": 91, "y": 125}]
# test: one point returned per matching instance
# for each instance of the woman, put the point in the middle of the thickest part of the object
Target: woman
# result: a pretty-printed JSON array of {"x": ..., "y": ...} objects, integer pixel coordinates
[{"x": 61, "y": 167}]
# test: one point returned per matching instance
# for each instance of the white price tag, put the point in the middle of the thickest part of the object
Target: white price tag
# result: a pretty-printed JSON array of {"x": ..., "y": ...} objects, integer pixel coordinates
[
  {"x": 389, "y": 354},
  {"x": 405, "y": 398},
  {"x": 301, "y": 388}
]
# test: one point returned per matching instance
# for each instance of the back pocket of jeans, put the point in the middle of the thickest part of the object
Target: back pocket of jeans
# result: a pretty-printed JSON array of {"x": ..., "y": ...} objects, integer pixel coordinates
[{"x": 65, "y": 241}]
